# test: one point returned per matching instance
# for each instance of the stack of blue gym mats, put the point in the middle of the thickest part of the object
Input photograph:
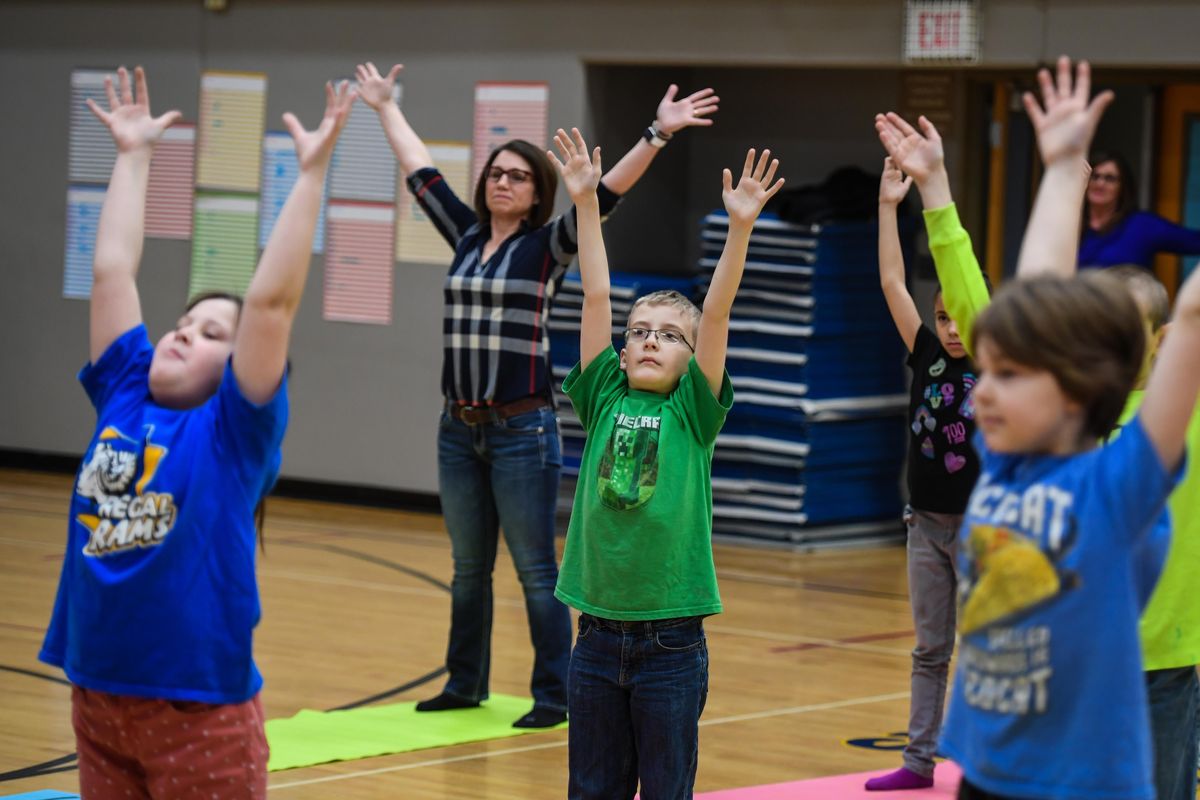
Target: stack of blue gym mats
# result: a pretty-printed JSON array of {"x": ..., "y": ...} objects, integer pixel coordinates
[{"x": 813, "y": 450}]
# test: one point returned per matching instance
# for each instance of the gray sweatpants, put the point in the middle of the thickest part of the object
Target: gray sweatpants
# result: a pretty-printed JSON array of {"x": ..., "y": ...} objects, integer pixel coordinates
[{"x": 932, "y": 588}]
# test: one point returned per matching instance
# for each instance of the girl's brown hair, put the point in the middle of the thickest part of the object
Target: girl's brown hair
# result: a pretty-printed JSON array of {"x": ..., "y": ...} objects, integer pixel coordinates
[
  {"x": 545, "y": 183},
  {"x": 1085, "y": 331}
]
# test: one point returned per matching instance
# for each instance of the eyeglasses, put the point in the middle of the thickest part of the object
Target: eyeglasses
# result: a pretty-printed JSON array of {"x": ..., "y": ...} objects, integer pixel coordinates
[
  {"x": 1104, "y": 177},
  {"x": 668, "y": 336},
  {"x": 515, "y": 176}
]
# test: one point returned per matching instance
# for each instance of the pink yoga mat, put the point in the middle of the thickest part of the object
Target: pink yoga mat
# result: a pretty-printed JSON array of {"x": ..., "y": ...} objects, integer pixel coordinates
[{"x": 843, "y": 787}]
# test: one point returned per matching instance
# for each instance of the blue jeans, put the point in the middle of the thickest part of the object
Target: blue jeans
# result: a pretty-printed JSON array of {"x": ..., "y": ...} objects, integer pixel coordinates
[
  {"x": 492, "y": 477},
  {"x": 1173, "y": 696},
  {"x": 637, "y": 692}
]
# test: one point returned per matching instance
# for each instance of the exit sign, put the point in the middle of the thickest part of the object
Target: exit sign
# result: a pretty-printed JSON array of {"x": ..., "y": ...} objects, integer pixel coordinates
[{"x": 938, "y": 31}]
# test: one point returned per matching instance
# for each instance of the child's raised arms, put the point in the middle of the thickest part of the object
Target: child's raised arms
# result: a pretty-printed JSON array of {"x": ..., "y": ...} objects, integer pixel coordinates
[
  {"x": 743, "y": 203},
  {"x": 893, "y": 188},
  {"x": 1064, "y": 133},
  {"x": 919, "y": 154},
  {"x": 115, "y": 307},
  {"x": 260, "y": 345},
  {"x": 1174, "y": 384},
  {"x": 581, "y": 175}
]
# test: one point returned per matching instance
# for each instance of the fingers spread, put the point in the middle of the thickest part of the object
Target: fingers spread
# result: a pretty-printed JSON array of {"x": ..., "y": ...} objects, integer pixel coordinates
[
  {"x": 748, "y": 167},
  {"x": 770, "y": 176},
  {"x": 113, "y": 103},
  {"x": 126, "y": 92},
  {"x": 100, "y": 113},
  {"x": 143, "y": 93},
  {"x": 293, "y": 125}
]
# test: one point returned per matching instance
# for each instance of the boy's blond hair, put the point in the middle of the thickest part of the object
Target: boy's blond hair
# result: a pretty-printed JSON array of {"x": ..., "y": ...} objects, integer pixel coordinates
[
  {"x": 672, "y": 298},
  {"x": 1148, "y": 291}
]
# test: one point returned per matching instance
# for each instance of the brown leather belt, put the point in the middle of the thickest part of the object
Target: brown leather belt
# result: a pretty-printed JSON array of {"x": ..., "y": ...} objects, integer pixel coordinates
[{"x": 478, "y": 415}]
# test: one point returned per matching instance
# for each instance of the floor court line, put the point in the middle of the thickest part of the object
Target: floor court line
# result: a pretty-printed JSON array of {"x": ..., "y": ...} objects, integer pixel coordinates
[
  {"x": 806, "y": 642},
  {"x": 435, "y": 762}
]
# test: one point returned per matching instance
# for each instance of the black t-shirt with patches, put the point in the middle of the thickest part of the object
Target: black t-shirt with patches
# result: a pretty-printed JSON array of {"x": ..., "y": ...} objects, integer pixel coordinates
[{"x": 942, "y": 464}]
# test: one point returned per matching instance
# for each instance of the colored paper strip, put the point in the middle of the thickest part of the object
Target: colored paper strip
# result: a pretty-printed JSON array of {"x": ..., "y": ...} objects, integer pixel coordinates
[
  {"x": 359, "y": 263},
  {"x": 232, "y": 110},
  {"x": 416, "y": 238},
  {"x": 172, "y": 173},
  {"x": 224, "y": 248},
  {"x": 83, "y": 217}
]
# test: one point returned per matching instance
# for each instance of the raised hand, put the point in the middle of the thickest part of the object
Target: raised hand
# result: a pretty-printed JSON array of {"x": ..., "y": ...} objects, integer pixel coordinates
[
  {"x": 745, "y": 201},
  {"x": 313, "y": 148},
  {"x": 580, "y": 174},
  {"x": 694, "y": 109},
  {"x": 893, "y": 186},
  {"x": 373, "y": 88},
  {"x": 1066, "y": 126},
  {"x": 917, "y": 152},
  {"x": 128, "y": 118}
]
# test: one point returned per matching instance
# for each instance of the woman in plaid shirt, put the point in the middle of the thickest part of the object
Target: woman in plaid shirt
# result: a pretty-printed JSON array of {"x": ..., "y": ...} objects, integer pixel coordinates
[{"x": 499, "y": 454}]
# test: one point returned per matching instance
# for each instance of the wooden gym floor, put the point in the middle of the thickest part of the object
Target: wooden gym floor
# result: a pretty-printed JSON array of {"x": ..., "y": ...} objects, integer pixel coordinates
[{"x": 812, "y": 650}]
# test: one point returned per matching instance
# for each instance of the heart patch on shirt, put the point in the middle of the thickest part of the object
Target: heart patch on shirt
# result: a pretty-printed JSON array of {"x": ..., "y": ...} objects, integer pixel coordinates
[{"x": 954, "y": 462}]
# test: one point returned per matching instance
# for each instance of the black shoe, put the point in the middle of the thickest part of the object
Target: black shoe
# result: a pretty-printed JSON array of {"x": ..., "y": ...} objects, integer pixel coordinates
[
  {"x": 541, "y": 718},
  {"x": 445, "y": 702}
]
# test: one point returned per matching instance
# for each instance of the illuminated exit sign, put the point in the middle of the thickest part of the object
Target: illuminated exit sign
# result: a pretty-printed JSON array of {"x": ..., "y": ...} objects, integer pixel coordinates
[{"x": 938, "y": 31}]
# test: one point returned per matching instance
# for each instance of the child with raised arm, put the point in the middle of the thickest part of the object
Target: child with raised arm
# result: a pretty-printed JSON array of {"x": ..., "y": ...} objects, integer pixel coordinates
[
  {"x": 638, "y": 562},
  {"x": 157, "y": 602},
  {"x": 1052, "y": 559},
  {"x": 1170, "y": 624},
  {"x": 942, "y": 468}
]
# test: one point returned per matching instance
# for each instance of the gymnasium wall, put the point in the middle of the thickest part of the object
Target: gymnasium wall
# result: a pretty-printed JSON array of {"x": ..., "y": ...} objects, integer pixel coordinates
[{"x": 801, "y": 77}]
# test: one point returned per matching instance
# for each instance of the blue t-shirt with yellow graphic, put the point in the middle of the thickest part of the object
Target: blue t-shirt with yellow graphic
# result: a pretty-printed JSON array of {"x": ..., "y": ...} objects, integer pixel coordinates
[
  {"x": 1049, "y": 699},
  {"x": 158, "y": 595}
]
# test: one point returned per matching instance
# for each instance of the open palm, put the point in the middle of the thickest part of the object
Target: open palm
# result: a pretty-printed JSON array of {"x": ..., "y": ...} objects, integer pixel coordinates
[
  {"x": 128, "y": 118},
  {"x": 376, "y": 89},
  {"x": 745, "y": 201},
  {"x": 313, "y": 148},
  {"x": 580, "y": 172},
  {"x": 917, "y": 152},
  {"x": 1066, "y": 125},
  {"x": 893, "y": 186},
  {"x": 694, "y": 109}
]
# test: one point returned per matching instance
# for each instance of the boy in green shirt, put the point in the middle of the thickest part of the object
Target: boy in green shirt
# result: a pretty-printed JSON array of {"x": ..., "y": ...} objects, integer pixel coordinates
[{"x": 638, "y": 560}]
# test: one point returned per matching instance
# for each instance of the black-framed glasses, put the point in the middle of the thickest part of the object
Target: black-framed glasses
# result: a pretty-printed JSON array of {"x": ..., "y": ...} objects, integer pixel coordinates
[
  {"x": 669, "y": 336},
  {"x": 1104, "y": 177},
  {"x": 515, "y": 176}
]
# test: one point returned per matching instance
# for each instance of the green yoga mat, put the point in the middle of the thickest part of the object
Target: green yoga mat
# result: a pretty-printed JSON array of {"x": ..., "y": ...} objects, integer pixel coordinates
[{"x": 318, "y": 737}]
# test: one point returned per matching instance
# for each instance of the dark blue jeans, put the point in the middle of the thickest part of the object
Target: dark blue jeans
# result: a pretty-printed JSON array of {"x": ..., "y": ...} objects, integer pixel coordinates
[
  {"x": 1173, "y": 696},
  {"x": 493, "y": 477},
  {"x": 637, "y": 692}
]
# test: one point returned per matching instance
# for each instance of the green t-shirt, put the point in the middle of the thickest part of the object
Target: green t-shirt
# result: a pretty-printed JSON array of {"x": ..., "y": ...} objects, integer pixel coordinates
[
  {"x": 639, "y": 545},
  {"x": 1170, "y": 624}
]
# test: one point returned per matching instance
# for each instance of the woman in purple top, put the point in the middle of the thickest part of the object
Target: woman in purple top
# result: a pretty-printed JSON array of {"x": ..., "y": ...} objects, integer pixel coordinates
[{"x": 1115, "y": 231}]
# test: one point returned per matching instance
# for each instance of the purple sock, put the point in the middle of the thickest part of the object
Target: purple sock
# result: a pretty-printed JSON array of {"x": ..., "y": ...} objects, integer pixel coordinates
[{"x": 903, "y": 778}]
